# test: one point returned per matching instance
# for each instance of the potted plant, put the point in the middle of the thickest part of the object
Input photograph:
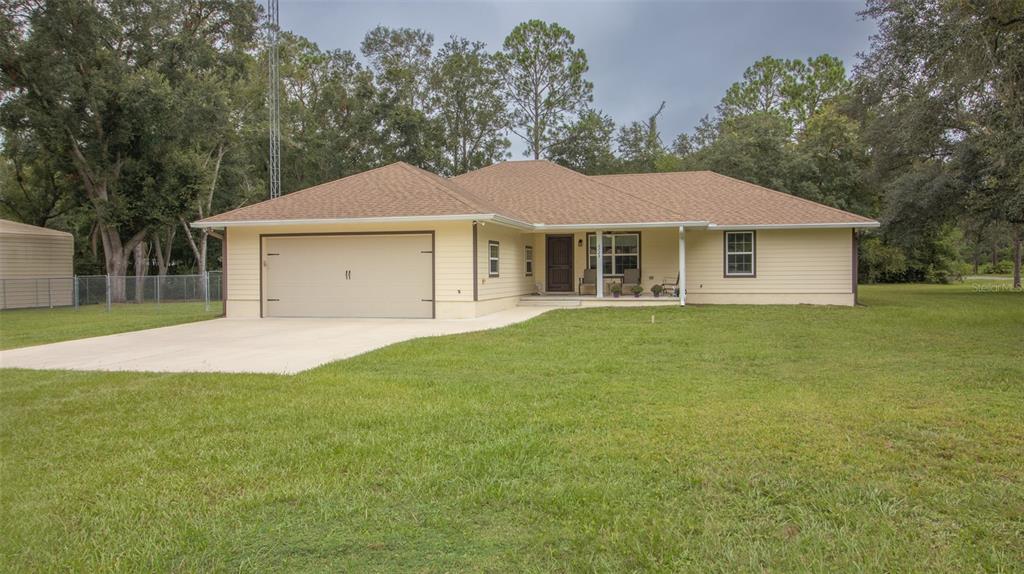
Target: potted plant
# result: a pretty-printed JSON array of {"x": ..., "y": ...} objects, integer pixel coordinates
[
  {"x": 616, "y": 289},
  {"x": 656, "y": 290},
  {"x": 637, "y": 289}
]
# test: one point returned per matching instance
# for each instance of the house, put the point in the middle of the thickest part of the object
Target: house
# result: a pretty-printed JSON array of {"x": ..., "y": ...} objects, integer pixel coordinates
[
  {"x": 398, "y": 241},
  {"x": 36, "y": 266}
]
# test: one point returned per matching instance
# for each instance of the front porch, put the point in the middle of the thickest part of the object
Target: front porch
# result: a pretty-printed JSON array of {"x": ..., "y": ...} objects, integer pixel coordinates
[
  {"x": 574, "y": 300},
  {"x": 582, "y": 266}
]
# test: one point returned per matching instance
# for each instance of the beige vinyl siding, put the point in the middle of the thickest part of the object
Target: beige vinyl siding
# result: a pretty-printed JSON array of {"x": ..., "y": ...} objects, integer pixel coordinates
[
  {"x": 453, "y": 256},
  {"x": 511, "y": 280},
  {"x": 659, "y": 255},
  {"x": 792, "y": 261},
  {"x": 46, "y": 259}
]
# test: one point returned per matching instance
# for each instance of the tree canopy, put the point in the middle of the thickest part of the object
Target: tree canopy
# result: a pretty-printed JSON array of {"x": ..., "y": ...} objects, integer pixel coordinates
[{"x": 121, "y": 121}]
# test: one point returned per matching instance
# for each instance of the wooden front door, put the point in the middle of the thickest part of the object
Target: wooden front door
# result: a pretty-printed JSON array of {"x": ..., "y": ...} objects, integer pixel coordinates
[{"x": 559, "y": 263}]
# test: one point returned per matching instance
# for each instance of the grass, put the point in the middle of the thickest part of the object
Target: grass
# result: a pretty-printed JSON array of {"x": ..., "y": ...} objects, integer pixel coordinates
[
  {"x": 26, "y": 327},
  {"x": 882, "y": 438}
]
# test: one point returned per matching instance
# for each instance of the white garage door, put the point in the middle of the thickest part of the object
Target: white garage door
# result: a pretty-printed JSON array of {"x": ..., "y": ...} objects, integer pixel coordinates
[{"x": 348, "y": 276}]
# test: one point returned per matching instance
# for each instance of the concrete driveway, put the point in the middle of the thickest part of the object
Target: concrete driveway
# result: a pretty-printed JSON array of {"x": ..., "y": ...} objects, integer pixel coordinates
[{"x": 246, "y": 345}]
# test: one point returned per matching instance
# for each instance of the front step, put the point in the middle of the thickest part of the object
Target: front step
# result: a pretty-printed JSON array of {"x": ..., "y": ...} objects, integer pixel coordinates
[{"x": 547, "y": 303}]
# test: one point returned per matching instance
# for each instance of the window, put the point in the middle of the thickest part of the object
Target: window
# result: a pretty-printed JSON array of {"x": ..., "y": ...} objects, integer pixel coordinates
[
  {"x": 492, "y": 258},
  {"x": 739, "y": 254},
  {"x": 529, "y": 260},
  {"x": 621, "y": 251}
]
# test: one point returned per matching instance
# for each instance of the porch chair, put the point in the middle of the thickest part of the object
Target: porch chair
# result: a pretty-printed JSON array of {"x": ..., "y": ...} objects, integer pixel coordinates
[
  {"x": 588, "y": 284},
  {"x": 671, "y": 286},
  {"x": 630, "y": 277}
]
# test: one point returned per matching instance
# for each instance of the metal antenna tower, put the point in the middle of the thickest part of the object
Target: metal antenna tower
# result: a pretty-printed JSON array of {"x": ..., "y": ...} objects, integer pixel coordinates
[{"x": 274, "y": 99}]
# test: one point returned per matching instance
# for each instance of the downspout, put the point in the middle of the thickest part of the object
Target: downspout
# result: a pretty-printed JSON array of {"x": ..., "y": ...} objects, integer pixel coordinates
[
  {"x": 856, "y": 263},
  {"x": 476, "y": 248}
]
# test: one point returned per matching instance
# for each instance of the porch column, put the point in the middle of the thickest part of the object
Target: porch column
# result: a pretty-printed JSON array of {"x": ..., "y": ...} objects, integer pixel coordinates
[
  {"x": 599, "y": 243},
  {"x": 682, "y": 265}
]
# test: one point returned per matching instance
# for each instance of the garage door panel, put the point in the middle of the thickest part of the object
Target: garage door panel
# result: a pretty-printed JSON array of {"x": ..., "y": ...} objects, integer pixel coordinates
[{"x": 348, "y": 276}]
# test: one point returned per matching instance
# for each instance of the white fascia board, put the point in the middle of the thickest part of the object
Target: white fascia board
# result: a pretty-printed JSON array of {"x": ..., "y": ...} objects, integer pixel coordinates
[
  {"x": 618, "y": 226},
  {"x": 362, "y": 220},
  {"x": 853, "y": 225}
]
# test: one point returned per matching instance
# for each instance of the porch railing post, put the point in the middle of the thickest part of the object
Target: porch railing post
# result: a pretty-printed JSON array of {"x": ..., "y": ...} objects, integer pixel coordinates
[
  {"x": 599, "y": 262},
  {"x": 682, "y": 266}
]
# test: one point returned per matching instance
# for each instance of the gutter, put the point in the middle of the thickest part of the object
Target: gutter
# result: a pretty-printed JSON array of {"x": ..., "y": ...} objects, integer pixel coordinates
[
  {"x": 536, "y": 227},
  {"x": 499, "y": 219},
  {"x": 851, "y": 225}
]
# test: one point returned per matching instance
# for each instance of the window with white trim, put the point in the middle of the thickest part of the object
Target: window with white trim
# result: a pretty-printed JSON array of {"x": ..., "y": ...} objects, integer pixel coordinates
[
  {"x": 529, "y": 261},
  {"x": 492, "y": 258},
  {"x": 739, "y": 254},
  {"x": 620, "y": 251}
]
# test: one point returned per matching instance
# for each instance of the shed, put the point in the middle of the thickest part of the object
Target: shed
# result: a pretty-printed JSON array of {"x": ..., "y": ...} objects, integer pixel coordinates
[{"x": 36, "y": 266}]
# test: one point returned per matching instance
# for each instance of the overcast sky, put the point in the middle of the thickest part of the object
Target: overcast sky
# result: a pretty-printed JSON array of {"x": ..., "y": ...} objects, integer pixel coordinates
[{"x": 640, "y": 52}]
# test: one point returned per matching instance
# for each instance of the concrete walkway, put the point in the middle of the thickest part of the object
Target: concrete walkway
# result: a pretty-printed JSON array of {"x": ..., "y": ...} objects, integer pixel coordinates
[{"x": 246, "y": 345}]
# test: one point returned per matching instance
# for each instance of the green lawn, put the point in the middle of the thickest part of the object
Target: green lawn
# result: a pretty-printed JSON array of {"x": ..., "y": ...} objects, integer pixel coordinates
[
  {"x": 882, "y": 438},
  {"x": 25, "y": 327}
]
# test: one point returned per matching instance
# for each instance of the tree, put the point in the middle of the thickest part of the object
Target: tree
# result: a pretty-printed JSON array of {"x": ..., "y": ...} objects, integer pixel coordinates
[
  {"x": 33, "y": 185},
  {"x": 753, "y": 147},
  {"x": 92, "y": 82},
  {"x": 586, "y": 144},
  {"x": 330, "y": 123},
  {"x": 640, "y": 144},
  {"x": 761, "y": 90},
  {"x": 793, "y": 88},
  {"x": 543, "y": 81},
  {"x": 833, "y": 162},
  {"x": 403, "y": 127},
  {"x": 945, "y": 85},
  {"x": 812, "y": 85},
  {"x": 400, "y": 59},
  {"x": 466, "y": 94}
]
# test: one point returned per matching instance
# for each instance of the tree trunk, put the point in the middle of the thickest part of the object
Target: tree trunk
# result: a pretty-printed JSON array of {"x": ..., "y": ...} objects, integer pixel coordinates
[
  {"x": 1017, "y": 238},
  {"x": 163, "y": 252},
  {"x": 141, "y": 257},
  {"x": 115, "y": 255},
  {"x": 199, "y": 251}
]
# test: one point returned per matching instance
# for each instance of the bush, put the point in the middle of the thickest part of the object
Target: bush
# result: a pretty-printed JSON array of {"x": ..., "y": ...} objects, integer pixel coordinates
[
  {"x": 880, "y": 262},
  {"x": 1004, "y": 267}
]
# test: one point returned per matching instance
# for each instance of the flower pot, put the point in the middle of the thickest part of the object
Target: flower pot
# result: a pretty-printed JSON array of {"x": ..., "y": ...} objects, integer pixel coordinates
[
  {"x": 658, "y": 294},
  {"x": 616, "y": 295},
  {"x": 637, "y": 295}
]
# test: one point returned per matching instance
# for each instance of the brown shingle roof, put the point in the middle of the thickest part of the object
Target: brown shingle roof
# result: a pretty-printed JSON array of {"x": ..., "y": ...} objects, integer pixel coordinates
[
  {"x": 722, "y": 200},
  {"x": 541, "y": 192},
  {"x": 395, "y": 190}
]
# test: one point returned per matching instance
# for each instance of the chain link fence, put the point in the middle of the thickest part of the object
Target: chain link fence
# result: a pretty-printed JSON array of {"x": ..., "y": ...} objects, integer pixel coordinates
[{"x": 108, "y": 290}]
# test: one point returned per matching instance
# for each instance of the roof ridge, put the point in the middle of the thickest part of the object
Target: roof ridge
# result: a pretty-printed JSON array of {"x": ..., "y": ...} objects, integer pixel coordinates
[
  {"x": 456, "y": 193},
  {"x": 620, "y": 190}
]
